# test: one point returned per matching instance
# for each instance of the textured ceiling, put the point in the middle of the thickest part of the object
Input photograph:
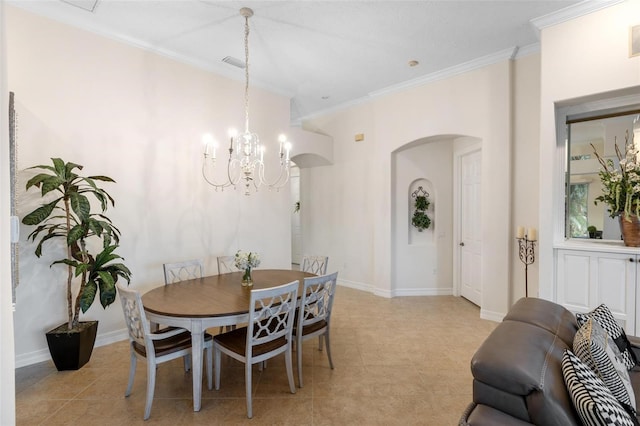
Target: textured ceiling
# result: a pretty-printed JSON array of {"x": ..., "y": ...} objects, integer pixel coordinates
[{"x": 321, "y": 54}]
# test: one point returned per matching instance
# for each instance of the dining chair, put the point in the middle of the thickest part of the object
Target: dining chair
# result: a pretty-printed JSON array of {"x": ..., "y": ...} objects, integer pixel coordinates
[
  {"x": 315, "y": 264},
  {"x": 267, "y": 334},
  {"x": 227, "y": 264},
  {"x": 156, "y": 347},
  {"x": 181, "y": 271},
  {"x": 314, "y": 315}
]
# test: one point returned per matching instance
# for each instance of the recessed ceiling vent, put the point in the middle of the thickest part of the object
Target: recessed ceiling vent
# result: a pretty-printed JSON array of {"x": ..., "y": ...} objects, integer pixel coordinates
[
  {"x": 88, "y": 5},
  {"x": 233, "y": 61}
]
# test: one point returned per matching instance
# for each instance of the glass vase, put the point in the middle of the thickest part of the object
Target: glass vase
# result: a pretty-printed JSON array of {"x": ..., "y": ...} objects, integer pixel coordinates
[{"x": 247, "y": 281}]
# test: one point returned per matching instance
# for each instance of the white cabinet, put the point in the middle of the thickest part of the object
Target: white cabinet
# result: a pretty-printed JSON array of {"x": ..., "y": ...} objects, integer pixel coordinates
[{"x": 587, "y": 278}]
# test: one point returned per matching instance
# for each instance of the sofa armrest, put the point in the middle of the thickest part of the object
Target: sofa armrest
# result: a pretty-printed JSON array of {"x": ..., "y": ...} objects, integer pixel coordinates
[{"x": 482, "y": 415}]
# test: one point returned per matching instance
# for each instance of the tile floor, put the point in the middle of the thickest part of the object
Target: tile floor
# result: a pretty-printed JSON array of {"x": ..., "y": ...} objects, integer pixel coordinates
[{"x": 401, "y": 361}]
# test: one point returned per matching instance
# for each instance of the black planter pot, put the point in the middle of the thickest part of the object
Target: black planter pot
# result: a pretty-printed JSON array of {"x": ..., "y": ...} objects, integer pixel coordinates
[{"x": 70, "y": 350}]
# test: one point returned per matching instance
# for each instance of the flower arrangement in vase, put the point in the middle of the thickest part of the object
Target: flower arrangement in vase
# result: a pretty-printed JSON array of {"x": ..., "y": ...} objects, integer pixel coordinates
[
  {"x": 621, "y": 187},
  {"x": 245, "y": 261}
]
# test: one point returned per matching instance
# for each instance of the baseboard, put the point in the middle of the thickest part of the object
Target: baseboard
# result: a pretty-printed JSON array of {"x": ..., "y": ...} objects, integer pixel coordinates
[
  {"x": 422, "y": 292},
  {"x": 43, "y": 355},
  {"x": 491, "y": 316},
  {"x": 356, "y": 285},
  {"x": 398, "y": 291}
]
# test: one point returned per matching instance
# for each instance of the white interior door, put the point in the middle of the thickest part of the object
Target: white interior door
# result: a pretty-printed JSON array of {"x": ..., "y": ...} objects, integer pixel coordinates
[{"x": 470, "y": 227}]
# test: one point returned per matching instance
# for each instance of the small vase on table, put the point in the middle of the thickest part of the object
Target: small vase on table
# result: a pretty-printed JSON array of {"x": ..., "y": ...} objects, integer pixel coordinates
[{"x": 247, "y": 281}]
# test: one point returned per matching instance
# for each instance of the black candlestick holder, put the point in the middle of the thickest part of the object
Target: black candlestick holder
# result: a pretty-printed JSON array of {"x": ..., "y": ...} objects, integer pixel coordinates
[{"x": 526, "y": 252}]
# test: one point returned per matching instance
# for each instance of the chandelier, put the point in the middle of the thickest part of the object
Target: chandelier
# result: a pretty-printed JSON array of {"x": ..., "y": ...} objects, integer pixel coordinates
[{"x": 246, "y": 155}]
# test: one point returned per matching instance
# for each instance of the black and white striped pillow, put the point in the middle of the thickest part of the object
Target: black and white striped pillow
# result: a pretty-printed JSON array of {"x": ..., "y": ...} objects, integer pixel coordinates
[
  {"x": 597, "y": 350},
  {"x": 594, "y": 402},
  {"x": 605, "y": 318}
]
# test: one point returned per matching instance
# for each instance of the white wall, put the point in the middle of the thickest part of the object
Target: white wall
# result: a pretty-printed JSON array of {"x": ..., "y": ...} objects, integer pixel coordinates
[
  {"x": 7, "y": 360},
  {"x": 138, "y": 118},
  {"x": 358, "y": 186},
  {"x": 580, "y": 58},
  {"x": 525, "y": 165}
]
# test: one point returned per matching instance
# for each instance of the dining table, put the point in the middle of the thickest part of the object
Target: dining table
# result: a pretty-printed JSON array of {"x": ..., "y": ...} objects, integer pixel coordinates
[{"x": 211, "y": 301}]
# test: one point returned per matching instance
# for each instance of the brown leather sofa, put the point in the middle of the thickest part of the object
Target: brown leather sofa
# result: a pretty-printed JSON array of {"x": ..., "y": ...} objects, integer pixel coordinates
[{"x": 517, "y": 375}]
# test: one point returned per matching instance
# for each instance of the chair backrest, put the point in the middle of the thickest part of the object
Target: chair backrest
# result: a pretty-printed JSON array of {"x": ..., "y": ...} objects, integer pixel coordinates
[
  {"x": 316, "y": 301},
  {"x": 227, "y": 264},
  {"x": 315, "y": 264},
  {"x": 134, "y": 315},
  {"x": 181, "y": 271},
  {"x": 271, "y": 314}
]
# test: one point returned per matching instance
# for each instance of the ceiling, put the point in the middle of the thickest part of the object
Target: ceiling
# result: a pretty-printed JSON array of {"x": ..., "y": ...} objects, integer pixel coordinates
[{"x": 322, "y": 54}]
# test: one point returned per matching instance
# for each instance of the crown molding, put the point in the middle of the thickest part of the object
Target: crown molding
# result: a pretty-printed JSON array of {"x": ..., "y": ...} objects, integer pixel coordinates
[
  {"x": 527, "y": 50},
  {"x": 465, "y": 67},
  {"x": 570, "y": 12},
  {"x": 221, "y": 70},
  {"x": 503, "y": 55}
]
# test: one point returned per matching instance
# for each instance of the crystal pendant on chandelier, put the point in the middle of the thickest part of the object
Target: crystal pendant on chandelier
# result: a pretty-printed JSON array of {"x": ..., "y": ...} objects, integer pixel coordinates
[{"x": 245, "y": 163}]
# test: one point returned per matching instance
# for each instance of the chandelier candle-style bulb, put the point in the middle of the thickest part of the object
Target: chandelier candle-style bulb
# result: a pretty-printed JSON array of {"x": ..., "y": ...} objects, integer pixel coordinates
[
  {"x": 207, "y": 141},
  {"x": 232, "y": 134}
]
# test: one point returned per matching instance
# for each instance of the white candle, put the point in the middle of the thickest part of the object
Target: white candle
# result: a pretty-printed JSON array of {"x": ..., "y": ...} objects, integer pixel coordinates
[
  {"x": 520, "y": 233},
  {"x": 232, "y": 134},
  {"x": 215, "y": 147},
  {"x": 288, "y": 148},
  {"x": 532, "y": 234},
  {"x": 207, "y": 139},
  {"x": 262, "y": 154}
]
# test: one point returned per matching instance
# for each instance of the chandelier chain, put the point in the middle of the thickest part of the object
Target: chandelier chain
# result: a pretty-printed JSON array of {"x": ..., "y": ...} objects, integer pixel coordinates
[{"x": 246, "y": 73}]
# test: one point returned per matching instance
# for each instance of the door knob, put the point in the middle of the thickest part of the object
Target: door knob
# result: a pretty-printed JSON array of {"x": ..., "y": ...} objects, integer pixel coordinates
[{"x": 462, "y": 244}]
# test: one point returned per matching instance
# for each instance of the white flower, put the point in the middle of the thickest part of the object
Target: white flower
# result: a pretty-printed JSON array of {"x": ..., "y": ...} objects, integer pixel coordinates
[{"x": 244, "y": 260}]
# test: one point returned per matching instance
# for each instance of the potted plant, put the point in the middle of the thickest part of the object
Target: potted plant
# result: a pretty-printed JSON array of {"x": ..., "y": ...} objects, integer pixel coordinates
[
  {"x": 621, "y": 189},
  {"x": 90, "y": 240},
  {"x": 592, "y": 231}
]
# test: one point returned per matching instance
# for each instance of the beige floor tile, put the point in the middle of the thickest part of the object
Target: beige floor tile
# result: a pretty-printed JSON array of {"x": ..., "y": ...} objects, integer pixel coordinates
[{"x": 401, "y": 361}]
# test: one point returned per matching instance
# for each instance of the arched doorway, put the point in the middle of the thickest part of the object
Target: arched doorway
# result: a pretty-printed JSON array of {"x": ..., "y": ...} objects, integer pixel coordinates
[{"x": 424, "y": 263}]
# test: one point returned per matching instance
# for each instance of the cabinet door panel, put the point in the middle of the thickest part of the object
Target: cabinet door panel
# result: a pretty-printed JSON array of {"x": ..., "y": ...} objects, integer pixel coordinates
[
  {"x": 574, "y": 276},
  {"x": 585, "y": 279},
  {"x": 612, "y": 283}
]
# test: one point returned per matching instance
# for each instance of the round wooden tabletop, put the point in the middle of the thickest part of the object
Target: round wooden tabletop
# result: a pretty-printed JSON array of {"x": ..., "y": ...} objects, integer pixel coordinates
[{"x": 215, "y": 295}]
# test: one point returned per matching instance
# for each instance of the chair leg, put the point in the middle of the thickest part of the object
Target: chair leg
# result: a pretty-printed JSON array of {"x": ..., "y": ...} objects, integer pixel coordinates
[
  {"x": 289, "y": 364},
  {"x": 327, "y": 343},
  {"x": 299, "y": 356},
  {"x": 247, "y": 380},
  {"x": 320, "y": 342},
  {"x": 132, "y": 372},
  {"x": 216, "y": 359},
  {"x": 151, "y": 385}
]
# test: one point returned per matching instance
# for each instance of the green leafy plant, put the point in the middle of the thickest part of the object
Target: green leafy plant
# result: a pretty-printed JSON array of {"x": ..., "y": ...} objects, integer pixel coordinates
[
  {"x": 69, "y": 217},
  {"x": 420, "y": 219},
  {"x": 621, "y": 186},
  {"x": 422, "y": 203}
]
